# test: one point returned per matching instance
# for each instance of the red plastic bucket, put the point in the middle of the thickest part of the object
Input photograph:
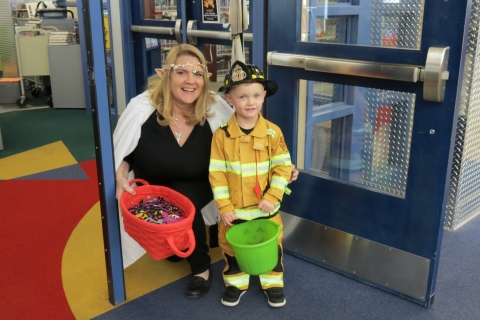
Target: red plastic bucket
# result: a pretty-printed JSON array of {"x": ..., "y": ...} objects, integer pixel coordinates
[{"x": 159, "y": 240}]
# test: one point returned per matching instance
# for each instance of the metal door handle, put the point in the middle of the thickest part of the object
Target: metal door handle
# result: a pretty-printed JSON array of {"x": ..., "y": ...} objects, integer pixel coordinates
[
  {"x": 155, "y": 30},
  {"x": 434, "y": 74},
  {"x": 177, "y": 31},
  {"x": 193, "y": 34}
]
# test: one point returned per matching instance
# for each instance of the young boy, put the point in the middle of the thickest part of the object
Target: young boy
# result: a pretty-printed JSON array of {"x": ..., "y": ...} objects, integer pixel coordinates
[{"x": 249, "y": 171}]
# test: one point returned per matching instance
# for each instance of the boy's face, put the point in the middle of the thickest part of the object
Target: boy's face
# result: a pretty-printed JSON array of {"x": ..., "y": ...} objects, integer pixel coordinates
[{"x": 247, "y": 99}]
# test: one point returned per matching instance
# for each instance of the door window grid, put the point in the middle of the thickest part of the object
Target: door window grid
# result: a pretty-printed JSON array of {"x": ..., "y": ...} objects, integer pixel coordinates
[
  {"x": 368, "y": 146},
  {"x": 379, "y": 23},
  {"x": 386, "y": 151}
]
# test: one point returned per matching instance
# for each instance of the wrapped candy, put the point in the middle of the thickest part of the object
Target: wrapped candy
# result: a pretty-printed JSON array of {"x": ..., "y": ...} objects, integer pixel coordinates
[{"x": 157, "y": 210}]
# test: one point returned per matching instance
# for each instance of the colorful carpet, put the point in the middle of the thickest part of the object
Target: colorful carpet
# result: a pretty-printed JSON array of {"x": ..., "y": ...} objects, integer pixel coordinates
[
  {"x": 53, "y": 257},
  {"x": 42, "y": 206},
  {"x": 53, "y": 264},
  {"x": 48, "y": 183}
]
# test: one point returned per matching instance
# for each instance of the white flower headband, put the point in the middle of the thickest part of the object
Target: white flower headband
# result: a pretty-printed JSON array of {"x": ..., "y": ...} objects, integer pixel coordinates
[{"x": 188, "y": 64}]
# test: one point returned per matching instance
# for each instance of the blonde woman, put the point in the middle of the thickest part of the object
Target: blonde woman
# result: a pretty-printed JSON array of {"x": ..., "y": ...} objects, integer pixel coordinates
[{"x": 164, "y": 136}]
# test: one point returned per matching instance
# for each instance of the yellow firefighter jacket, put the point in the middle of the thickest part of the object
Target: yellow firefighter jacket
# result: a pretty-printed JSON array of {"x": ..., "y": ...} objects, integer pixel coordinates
[{"x": 238, "y": 161}]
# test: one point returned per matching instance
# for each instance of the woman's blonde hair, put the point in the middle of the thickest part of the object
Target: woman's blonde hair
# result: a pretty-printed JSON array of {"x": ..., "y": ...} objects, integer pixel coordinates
[{"x": 161, "y": 96}]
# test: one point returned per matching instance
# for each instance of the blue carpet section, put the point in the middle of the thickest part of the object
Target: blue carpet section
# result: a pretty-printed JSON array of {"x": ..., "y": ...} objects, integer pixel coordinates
[
  {"x": 73, "y": 172},
  {"x": 313, "y": 292}
]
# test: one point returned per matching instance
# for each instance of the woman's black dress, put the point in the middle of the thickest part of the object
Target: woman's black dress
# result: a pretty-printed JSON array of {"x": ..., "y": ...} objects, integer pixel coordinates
[{"x": 159, "y": 160}]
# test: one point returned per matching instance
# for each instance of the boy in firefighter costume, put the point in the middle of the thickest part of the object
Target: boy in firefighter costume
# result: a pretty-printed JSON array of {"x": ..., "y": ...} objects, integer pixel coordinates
[{"x": 249, "y": 171}]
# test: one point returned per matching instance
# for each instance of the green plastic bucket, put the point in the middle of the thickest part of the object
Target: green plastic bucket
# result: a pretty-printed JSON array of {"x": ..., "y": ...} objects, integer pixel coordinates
[{"x": 255, "y": 244}]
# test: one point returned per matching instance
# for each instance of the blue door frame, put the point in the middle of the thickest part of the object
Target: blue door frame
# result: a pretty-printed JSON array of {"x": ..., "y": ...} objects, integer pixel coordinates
[
  {"x": 94, "y": 43},
  {"x": 413, "y": 224}
]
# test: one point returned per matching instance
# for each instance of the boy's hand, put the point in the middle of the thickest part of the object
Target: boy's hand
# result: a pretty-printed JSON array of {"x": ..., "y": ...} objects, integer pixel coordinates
[
  {"x": 294, "y": 175},
  {"x": 228, "y": 217},
  {"x": 265, "y": 205}
]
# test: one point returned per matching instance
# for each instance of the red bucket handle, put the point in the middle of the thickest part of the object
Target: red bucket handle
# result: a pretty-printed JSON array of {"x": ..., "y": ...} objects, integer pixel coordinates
[
  {"x": 190, "y": 248},
  {"x": 145, "y": 183}
]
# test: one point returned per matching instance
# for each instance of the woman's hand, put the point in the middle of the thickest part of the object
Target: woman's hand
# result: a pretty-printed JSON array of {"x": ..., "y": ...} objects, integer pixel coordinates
[
  {"x": 228, "y": 217},
  {"x": 265, "y": 205},
  {"x": 294, "y": 175},
  {"x": 121, "y": 177}
]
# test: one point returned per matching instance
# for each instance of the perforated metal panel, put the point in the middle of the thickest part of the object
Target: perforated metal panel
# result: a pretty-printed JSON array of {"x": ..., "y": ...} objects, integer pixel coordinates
[
  {"x": 8, "y": 49},
  {"x": 464, "y": 198},
  {"x": 397, "y": 24},
  {"x": 387, "y": 140}
]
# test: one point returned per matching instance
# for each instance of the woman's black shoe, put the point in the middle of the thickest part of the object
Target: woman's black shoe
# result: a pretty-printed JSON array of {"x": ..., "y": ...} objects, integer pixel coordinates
[{"x": 197, "y": 287}]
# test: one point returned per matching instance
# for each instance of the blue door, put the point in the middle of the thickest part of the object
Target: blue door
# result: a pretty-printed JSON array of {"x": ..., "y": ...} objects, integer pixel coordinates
[{"x": 367, "y": 103}]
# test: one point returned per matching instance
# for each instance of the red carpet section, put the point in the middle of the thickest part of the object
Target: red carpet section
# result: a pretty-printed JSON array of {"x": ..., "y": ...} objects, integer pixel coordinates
[{"x": 38, "y": 217}]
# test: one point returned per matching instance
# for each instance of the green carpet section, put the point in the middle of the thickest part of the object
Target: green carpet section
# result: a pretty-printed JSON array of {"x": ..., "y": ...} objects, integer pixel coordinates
[{"x": 25, "y": 130}]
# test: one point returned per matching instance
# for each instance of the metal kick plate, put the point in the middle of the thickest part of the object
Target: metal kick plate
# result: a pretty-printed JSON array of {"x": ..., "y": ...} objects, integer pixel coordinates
[{"x": 385, "y": 266}]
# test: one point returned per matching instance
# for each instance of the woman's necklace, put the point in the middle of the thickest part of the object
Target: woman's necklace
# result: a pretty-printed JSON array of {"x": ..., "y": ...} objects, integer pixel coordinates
[{"x": 178, "y": 133}]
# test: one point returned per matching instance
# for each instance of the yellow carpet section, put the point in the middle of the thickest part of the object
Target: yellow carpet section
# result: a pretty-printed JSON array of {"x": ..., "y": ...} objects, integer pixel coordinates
[
  {"x": 48, "y": 157},
  {"x": 84, "y": 274}
]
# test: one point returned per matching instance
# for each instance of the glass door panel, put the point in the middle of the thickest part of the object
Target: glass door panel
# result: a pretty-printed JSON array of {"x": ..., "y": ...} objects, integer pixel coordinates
[
  {"x": 368, "y": 146},
  {"x": 219, "y": 62},
  {"x": 167, "y": 9},
  {"x": 155, "y": 50},
  {"x": 378, "y": 23},
  {"x": 160, "y": 10}
]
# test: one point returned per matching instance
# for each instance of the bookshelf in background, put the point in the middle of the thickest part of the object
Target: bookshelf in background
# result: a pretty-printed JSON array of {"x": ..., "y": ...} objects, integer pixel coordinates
[
  {"x": 60, "y": 38},
  {"x": 220, "y": 57},
  {"x": 165, "y": 46},
  {"x": 151, "y": 44},
  {"x": 160, "y": 9}
]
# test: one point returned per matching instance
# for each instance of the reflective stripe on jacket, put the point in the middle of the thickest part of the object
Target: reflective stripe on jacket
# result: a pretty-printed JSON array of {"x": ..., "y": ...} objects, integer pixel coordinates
[{"x": 238, "y": 159}]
